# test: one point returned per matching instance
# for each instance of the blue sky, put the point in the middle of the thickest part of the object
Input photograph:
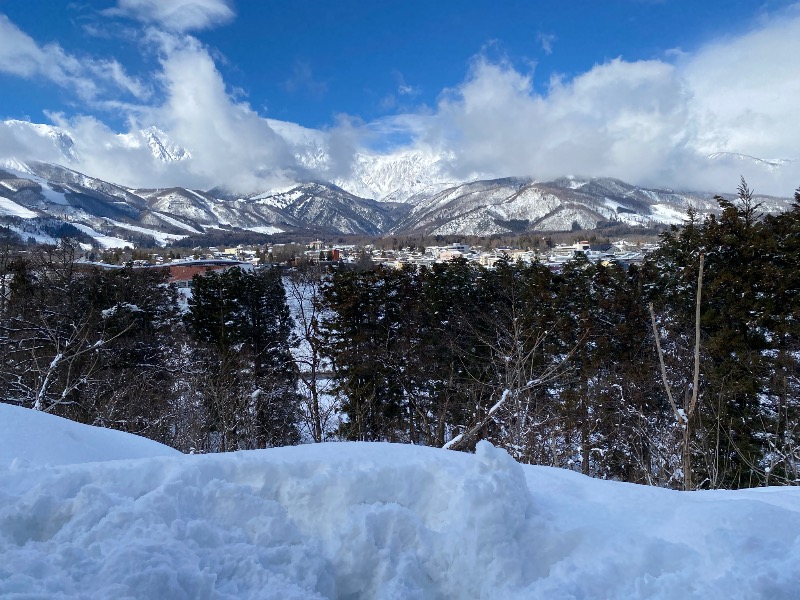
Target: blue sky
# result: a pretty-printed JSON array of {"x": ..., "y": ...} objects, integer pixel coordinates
[{"x": 515, "y": 87}]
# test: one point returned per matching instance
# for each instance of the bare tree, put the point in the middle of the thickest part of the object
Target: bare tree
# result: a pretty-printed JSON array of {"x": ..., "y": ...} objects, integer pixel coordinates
[
  {"x": 303, "y": 289},
  {"x": 513, "y": 347},
  {"x": 684, "y": 414}
]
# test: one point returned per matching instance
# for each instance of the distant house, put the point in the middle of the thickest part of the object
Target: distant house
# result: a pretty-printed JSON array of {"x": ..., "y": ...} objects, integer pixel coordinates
[
  {"x": 450, "y": 254},
  {"x": 181, "y": 273}
]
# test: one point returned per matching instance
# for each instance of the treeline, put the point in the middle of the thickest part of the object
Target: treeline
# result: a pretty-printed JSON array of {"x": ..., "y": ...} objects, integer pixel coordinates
[
  {"x": 559, "y": 368},
  {"x": 116, "y": 348},
  {"x": 533, "y": 240}
]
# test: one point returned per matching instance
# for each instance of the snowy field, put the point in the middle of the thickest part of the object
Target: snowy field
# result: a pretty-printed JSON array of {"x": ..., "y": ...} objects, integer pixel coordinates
[{"x": 90, "y": 513}]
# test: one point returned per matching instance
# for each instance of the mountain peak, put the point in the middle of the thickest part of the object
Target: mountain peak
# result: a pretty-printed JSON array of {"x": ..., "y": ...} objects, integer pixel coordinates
[
  {"x": 59, "y": 138},
  {"x": 161, "y": 146}
]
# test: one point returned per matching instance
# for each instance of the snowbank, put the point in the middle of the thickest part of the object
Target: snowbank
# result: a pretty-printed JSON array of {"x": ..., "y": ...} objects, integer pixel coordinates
[
  {"x": 377, "y": 521},
  {"x": 30, "y": 438}
]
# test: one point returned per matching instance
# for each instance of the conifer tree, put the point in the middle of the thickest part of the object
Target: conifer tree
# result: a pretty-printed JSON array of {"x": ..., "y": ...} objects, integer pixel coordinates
[{"x": 243, "y": 320}]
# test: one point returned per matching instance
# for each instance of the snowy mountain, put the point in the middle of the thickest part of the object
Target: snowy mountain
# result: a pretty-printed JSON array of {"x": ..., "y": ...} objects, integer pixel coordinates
[
  {"x": 390, "y": 193},
  {"x": 60, "y": 141},
  {"x": 112, "y": 214},
  {"x": 397, "y": 177},
  {"x": 162, "y": 148},
  {"x": 94, "y": 513},
  {"x": 771, "y": 165},
  {"x": 324, "y": 205},
  {"x": 515, "y": 205},
  {"x": 387, "y": 177},
  {"x": 63, "y": 146}
]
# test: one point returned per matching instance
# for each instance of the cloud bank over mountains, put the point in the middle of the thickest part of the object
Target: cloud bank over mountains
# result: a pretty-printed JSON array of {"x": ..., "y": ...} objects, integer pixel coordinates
[{"x": 652, "y": 122}]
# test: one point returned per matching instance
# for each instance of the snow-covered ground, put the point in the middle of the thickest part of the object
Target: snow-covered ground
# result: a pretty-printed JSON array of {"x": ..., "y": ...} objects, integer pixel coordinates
[
  {"x": 161, "y": 238},
  {"x": 265, "y": 229},
  {"x": 88, "y": 513},
  {"x": 9, "y": 207},
  {"x": 106, "y": 241}
]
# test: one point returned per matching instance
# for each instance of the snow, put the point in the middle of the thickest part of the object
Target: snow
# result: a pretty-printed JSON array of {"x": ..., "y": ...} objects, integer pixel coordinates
[
  {"x": 161, "y": 238},
  {"x": 51, "y": 195},
  {"x": 25, "y": 235},
  {"x": 265, "y": 229},
  {"x": 397, "y": 176},
  {"x": 30, "y": 440},
  {"x": 9, "y": 207},
  {"x": 15, "y": 166},
  {"x": 275, "y": 191},
  {"x": 106, "y": 241},
  {"x": 109, "y": 312},
  {"x": 196, "y": 195},
  {"x": 575, "y": 184},
  {"x": 177, "y": 223},
  {"x": 664, "y": 213},
  {"x": 156, "y": 140},
  {"x": 361, "y": 520}
]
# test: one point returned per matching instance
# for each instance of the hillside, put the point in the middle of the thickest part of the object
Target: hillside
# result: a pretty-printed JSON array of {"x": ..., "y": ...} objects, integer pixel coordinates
[{"x": 397, "y": 193}]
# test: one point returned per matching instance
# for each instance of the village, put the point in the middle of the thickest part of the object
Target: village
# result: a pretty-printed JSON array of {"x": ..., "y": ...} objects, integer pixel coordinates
[{"x": 200, "y": 260}]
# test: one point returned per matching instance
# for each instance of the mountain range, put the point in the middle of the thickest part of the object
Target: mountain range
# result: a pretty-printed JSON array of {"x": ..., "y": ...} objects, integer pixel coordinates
[{"x": 400, "y": 193}]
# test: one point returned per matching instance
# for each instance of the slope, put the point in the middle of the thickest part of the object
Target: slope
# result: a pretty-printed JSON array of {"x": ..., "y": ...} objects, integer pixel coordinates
[{"x": 514, "y": 205}]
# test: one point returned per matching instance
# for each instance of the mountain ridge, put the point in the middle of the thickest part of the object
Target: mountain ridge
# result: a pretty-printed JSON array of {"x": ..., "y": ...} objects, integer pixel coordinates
[{"x": 381, "y": 194}]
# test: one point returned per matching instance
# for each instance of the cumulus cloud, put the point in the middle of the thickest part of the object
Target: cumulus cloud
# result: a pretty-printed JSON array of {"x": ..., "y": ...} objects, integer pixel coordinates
[
  {"x": 650, "y": 122},
  {"x": 20, "y": 141},
  {"x": 226, "y": 138},
  {"x": 616, "y": 114},
  {"x": 89, "y": 78},
  {"x": 176, "y": 15},
  {"x": 229, "y": 143},
  {"x": 746, "y": 91}
]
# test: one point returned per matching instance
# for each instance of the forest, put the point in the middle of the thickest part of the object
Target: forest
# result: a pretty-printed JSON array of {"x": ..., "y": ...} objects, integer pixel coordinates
[{"x": 681, "y": 372}]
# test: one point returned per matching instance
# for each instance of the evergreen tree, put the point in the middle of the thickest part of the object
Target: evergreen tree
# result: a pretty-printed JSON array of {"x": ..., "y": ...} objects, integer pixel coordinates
[
  {"x": 242, "y": 319},
  {"x": 359, "y": 335}
]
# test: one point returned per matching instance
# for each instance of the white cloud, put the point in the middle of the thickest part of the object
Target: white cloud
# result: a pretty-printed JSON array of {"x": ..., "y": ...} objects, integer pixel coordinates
[
  {"x": 302, "y": 80},
  {"x": 403, "y": 87},
  {"x": 176, "y": 15},
  {"x": 89, "y": 78},
  {"x": 650, "y": 122},
  {"x": 228, "y": 140},
  {"x": 22, "y": 142},
  {"x": 546, "y": 41},
  {"x": 229, "y": 143},
  {"x": 746, "y": 91},
  {"x": 19, "y": 53}
]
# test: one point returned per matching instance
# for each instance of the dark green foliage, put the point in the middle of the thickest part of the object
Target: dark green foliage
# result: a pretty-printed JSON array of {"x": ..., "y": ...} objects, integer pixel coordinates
[
  {"x": 744, "y": 433},
  {"x": 88, "y": 344},
  {"x": 109, "y": 348},
  {"x": 249, "y": 384},
  {"x": 561, "y": 369}
]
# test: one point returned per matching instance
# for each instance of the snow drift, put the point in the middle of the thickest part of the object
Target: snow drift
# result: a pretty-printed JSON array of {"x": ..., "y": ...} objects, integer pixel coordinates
[{"x": 357, "y": 520}]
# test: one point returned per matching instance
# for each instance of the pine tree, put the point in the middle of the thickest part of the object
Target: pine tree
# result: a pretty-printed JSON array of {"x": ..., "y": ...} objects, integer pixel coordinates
[{"x": 243, "y": 320}]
